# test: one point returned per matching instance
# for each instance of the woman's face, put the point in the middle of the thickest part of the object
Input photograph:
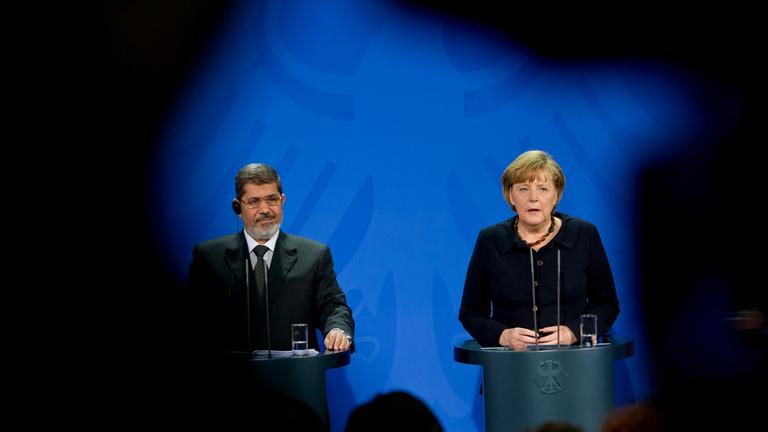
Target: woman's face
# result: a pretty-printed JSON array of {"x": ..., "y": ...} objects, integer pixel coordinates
[{"x": 534, "y": 201}]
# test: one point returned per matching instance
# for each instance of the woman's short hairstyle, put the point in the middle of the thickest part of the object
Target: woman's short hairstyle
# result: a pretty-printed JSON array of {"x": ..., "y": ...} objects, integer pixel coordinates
[{"x": 530, "y": 166}]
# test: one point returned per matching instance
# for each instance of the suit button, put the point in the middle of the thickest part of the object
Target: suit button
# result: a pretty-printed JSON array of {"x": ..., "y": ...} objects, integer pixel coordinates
[{"x": 539, "y": 263}]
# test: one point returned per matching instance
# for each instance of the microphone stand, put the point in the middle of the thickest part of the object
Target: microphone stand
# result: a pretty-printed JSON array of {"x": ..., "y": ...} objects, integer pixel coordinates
[
  {"x": 558, "y": 299},
  {"x": 266, "y": 298},
  {"x": 248, "y": 302},
  {"x": 534, "y": 308}
]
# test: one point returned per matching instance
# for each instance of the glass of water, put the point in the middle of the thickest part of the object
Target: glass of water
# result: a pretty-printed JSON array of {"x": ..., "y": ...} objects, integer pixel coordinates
[
  {"x": 299, "y": 339},
  {"x": 588, "y": 330}
]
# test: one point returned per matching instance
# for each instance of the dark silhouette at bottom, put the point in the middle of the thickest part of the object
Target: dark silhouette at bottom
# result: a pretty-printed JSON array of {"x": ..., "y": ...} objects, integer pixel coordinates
[{"x": 394, "y": 411}]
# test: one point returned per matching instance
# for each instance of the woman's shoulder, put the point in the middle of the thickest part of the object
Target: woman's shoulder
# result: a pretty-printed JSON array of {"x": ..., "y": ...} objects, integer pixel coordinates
[
  {"x": 575, "y": 229},
  {"x": 500, "y": 228},
  {"x": 575, "y": 222},
  {"x": 500, "y": 236}
]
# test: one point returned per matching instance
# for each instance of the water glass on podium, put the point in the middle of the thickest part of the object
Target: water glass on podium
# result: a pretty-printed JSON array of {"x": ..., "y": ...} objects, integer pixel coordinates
[
  {"x": 588, "y": 330},
  {"x": 299, "y": 339}
]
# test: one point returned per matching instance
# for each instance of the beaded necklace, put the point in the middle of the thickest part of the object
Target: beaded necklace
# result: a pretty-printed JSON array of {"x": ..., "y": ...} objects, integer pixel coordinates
[{"x": 544, "y": 237}]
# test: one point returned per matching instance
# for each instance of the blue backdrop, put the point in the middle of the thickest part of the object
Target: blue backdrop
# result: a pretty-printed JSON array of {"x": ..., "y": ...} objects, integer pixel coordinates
[{"x": 391, "y": 129}]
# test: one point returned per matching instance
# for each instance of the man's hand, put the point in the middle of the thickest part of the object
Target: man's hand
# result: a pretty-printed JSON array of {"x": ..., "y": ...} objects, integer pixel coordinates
[{"x": 337, "y": 340}]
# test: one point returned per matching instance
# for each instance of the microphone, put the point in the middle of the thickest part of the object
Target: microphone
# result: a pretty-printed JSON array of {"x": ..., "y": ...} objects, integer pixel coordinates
[
  {"x": 266, "y": 298},
  {"x": 248, "y": 302},
  {"x": 533, "y": 295},
  {"x": 535, "y": 309},
  {"x": 558, "y": 298}
]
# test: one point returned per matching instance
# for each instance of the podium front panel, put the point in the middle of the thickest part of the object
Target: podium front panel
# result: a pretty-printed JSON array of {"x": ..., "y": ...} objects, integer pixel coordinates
[
  {"x": 524, "y": 389},
  {"x": 300, "y": 377}
]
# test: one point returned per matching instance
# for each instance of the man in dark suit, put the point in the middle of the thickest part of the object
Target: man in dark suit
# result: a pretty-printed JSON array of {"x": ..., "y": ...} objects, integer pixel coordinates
[{"x": 232, "y": 278}]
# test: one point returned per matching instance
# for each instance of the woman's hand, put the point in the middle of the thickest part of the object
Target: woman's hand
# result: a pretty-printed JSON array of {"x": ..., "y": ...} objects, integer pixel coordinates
[
  {"x": 517, "y": 338},
  {"x": 550, "y": 336}
]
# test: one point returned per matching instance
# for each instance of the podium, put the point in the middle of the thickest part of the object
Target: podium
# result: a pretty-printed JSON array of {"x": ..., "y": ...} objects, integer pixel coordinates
[
  {"x": 523, "y": 389},
  {"x": 301, "y": 377}
]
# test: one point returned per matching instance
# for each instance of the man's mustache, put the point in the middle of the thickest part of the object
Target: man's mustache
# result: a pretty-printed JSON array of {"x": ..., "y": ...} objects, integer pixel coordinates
[{"x": 265, "y": 217}]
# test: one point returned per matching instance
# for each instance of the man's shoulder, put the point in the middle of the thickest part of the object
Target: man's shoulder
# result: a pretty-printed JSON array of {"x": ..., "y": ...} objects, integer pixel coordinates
[
  {"x": 222, "y": 242},
  {"x": 290, "y": 240}
]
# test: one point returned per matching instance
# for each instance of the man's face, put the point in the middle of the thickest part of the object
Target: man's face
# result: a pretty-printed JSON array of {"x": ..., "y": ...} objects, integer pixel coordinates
[{"x": 264, "y": 219}]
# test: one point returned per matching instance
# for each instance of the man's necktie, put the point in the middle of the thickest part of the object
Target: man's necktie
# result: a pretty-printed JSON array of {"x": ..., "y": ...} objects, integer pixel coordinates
[{"x": 259, "y": 273}]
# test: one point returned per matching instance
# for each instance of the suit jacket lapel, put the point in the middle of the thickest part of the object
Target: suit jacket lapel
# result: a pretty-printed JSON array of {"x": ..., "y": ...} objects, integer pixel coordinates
[
  {"x": 235, "y": 257},
  {"x": 282, "y": 262}
]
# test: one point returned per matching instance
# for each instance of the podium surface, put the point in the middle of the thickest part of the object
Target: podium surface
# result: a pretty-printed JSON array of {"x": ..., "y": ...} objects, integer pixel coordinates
[
  {"x": 524, "y": 389},
  {"x": 301, "y": 377}
]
